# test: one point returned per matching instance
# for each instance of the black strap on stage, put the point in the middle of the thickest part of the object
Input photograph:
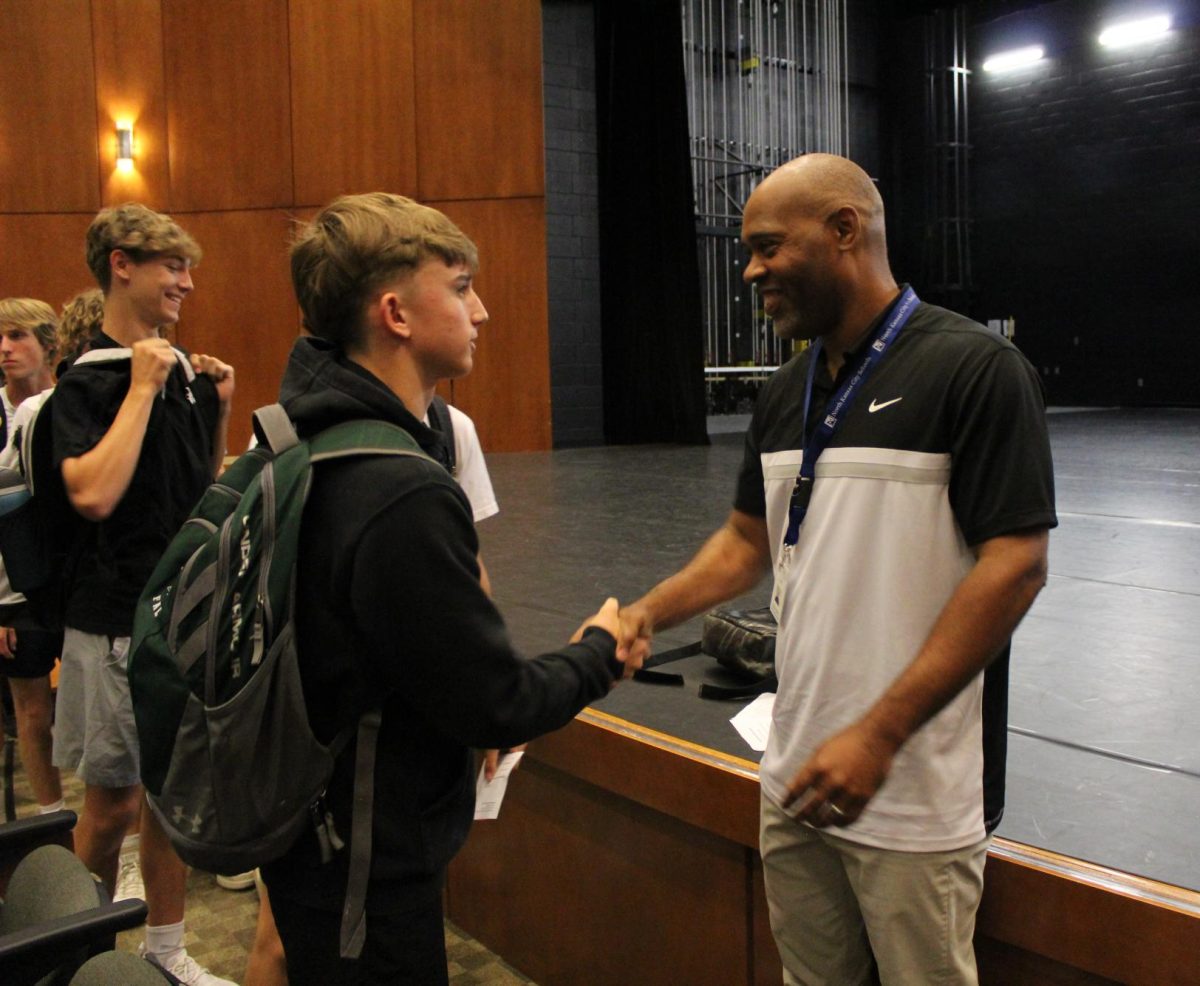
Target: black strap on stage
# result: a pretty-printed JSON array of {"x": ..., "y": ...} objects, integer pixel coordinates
[
  {"x": 354, "y": 917},
  {"x": 724, "y": 692},
  {"x": 647, "y": 673}
]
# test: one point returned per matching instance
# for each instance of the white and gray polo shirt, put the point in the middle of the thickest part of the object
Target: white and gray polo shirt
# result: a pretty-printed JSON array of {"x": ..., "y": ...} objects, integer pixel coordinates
[{"x": 944, "y": 448}]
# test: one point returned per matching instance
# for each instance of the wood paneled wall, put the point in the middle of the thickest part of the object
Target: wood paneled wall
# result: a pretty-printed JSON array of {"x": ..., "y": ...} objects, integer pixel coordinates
[{"x": 248, "y": 114}]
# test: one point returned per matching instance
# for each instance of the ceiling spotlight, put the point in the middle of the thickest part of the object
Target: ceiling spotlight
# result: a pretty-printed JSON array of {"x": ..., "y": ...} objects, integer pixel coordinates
[
  {"x": 1006, "y": 61},
  {"x": 1134, "y": 32}
]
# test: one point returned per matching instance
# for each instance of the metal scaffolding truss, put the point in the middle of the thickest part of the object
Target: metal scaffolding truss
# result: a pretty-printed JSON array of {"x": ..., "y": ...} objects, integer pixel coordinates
[
  {"x": 767, "y": 81},
  {"x": 946, "y": 261}
]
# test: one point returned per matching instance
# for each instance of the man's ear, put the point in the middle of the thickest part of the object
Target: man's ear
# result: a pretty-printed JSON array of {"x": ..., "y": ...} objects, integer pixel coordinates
[
  {"x": 390, "y": 311},
  {"x": 847, "y": 225}
]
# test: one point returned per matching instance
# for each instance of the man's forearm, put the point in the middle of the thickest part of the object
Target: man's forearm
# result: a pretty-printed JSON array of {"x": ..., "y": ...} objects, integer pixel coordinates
[
  {"x": 972, "y": 628},
  {"x": 731, "y": 562},
  {"x": 847, "y": 769}
]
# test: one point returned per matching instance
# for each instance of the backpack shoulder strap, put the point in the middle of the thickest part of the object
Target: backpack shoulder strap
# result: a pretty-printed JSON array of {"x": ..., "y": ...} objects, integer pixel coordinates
[
  {"x": 363, "y": 437},
  {"x": 354, "y": 920},
  {"x": 36, "y": 433},
  {"x": 185, "y": 364},
  {"x": 441, "y": 420},
  {"x": 358, "y": 438},
  {"x": 110, "y": 354},
  {"x": 274, "y": 428}
]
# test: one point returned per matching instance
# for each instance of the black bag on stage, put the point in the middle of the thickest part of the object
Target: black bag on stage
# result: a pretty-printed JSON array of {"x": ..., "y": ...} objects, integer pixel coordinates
[{"x": 742, "y": 640}]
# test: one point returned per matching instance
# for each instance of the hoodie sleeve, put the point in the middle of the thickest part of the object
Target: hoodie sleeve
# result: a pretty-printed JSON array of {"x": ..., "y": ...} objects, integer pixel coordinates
[{"x": 434, "y": 635}]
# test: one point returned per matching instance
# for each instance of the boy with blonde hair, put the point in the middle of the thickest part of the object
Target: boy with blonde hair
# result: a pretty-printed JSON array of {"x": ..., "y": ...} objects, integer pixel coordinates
[
  {"x": 27, "y": 647},
  {"x": 388, "y": 594},
  {"x": 138, "y": 437}
]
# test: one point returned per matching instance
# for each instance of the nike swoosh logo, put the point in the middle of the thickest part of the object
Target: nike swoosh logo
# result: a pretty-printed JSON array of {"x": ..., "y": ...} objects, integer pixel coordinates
[{"x": 879, "y": 407}]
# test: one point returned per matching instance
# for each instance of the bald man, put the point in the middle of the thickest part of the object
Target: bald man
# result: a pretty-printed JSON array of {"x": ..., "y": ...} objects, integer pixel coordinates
[{"x": 897, "y": 483}]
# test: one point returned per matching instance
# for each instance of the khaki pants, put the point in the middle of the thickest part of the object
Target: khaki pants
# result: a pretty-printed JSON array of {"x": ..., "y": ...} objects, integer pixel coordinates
[{"x": 833, "y": 903}]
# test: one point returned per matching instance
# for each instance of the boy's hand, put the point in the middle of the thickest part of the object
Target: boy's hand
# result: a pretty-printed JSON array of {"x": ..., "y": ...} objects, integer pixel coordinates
[
  {"x": 220, "y": 373},
  {"x": 151, "y": 363}
]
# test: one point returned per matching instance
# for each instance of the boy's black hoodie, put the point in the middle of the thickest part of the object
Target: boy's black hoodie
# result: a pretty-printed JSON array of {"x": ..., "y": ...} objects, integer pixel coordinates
[{"x": 389, "y": 609}]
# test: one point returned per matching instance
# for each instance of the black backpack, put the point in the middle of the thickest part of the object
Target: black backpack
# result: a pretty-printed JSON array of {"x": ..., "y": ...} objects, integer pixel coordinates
[{"x": 37, "y": 522}]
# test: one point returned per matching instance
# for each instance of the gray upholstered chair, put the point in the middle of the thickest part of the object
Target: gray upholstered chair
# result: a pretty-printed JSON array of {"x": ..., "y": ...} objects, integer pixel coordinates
[
  {"x": 54, "y": 915},
  {"x": 19, "y": 838},
  {"x": 118, "y": 969}
]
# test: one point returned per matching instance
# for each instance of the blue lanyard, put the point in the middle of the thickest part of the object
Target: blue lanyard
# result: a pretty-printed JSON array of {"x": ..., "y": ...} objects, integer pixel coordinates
[{"x": 884, "y": 336}]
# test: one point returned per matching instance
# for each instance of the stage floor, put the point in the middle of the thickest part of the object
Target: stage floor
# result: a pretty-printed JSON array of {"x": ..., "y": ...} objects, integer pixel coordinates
[{"x": 1104, "y": 758}]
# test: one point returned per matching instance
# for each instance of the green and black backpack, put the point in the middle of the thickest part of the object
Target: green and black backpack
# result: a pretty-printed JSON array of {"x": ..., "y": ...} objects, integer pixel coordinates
[{"x": 229, "y": 762}]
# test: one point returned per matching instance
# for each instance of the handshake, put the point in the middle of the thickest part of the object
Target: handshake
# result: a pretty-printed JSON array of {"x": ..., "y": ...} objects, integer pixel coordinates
[{"x": 630, "y": 626}]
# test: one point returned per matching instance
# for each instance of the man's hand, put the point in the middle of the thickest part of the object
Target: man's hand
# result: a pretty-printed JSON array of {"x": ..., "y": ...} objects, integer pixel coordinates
[
  {"x": 151, "y": 363},
  {"x": 220, "y": 373},
  {"x": 633, "y": 642},
  {"x": 8, "y": 643},
  {"x": 841, "y": 777},
  {"x": 608, "y": 618}
]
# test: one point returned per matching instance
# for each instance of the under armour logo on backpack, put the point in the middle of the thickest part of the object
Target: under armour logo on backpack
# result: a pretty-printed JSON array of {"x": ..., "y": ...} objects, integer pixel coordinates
[{"x": 177, "y": 816}]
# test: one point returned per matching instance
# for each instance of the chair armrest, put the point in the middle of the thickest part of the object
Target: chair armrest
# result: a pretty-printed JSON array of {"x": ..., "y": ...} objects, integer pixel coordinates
[{"x": 27, "y": 833}]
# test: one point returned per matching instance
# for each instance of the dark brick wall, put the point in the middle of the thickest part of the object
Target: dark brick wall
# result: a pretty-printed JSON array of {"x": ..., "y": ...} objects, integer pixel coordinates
[
  {"x": 1086, "y": 179},
  {"x": 572, "y": 222}
]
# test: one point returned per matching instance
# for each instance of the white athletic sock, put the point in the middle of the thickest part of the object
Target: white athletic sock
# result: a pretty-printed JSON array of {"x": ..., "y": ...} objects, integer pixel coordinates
[
  {"x": 165, "y": 943},
  {"x": 130, "y": 843},
  {"x": 59, "y": 805}
]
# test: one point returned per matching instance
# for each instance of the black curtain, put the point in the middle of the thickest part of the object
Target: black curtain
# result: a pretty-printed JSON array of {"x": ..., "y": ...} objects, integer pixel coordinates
[{"x": 652, "y": 336}]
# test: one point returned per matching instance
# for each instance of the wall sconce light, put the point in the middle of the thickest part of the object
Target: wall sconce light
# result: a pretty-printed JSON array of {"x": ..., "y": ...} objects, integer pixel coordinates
[
  {"x": 124, "y": 146},
  {"x": 1006, "y": 61},
  {"x": 1133, "y": 32}
]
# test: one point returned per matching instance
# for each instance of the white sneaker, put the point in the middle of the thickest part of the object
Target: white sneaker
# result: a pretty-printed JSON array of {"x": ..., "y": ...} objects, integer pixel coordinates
[
  {"x": 239, "y": 881},
  {"x": 129, "y": 879},
  {"x": 186, "y": 969}
]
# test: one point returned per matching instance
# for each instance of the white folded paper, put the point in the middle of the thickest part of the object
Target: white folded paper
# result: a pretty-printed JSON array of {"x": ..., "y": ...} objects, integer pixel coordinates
[
  {"x": 753, "y": 723},
  {"x": 489, "y": 794}
]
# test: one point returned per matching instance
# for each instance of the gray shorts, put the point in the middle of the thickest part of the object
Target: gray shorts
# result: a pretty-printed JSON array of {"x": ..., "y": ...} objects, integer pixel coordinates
[{"x": 94, "y": 733}]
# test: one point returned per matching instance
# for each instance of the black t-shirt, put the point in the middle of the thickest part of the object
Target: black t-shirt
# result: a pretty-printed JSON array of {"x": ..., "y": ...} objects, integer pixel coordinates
[
  {"x": 949, "y": 386},
  {"x": 111, "y": 563}
]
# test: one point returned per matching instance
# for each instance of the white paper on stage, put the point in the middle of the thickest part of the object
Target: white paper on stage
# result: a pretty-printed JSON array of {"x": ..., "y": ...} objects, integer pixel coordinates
[{"x": 754, "y": 721}]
